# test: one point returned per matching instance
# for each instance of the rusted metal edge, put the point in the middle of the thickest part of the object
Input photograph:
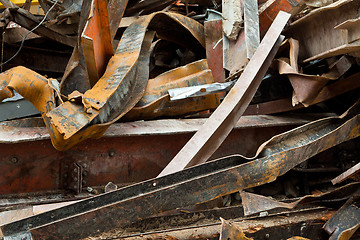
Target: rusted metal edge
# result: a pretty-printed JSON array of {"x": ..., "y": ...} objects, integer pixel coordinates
[
  {"x": 347, "y": 174},
  {"x": 308, "y": 17},
  {"x": 254, "y": 203},
  {"x": 207, "y": 181},
  {"x": 258, "y": 228},
  {"x": 343, "y": 49}
]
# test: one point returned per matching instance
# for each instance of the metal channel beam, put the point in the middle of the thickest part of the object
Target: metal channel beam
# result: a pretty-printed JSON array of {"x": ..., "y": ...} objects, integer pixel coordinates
[{"x": 128, "y": 152}]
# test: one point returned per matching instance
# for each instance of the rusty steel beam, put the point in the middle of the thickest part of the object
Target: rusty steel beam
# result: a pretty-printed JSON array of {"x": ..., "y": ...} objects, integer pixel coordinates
[
  {"x": 127, "y": 153},
  {"x": 208, "y": 181},
  {"x": 214, "y": 46},
  {"x": 205, "y": 142}
]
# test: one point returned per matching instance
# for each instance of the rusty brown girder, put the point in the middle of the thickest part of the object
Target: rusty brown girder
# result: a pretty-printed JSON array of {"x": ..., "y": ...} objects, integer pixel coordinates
[
  {"x": 127, "y": 153},
  {"x": 207, "y": 181}
]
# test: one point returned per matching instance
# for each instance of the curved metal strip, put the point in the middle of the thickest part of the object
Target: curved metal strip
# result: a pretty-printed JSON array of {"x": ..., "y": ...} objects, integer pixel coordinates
[
  {"x": 105, "y": 101},
  {"x": 156, "y": 102}
]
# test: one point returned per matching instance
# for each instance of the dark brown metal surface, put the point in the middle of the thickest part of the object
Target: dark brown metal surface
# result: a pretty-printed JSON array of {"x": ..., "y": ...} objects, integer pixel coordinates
[{"x": 29, "y": 58}]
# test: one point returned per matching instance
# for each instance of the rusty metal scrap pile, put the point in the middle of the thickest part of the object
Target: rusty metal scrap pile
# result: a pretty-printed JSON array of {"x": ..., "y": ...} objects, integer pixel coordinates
[{"x": 165, "y": 99}]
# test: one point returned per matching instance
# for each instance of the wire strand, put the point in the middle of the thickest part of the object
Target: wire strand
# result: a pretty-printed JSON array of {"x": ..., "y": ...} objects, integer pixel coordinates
[{"x": 23, "y": 40}]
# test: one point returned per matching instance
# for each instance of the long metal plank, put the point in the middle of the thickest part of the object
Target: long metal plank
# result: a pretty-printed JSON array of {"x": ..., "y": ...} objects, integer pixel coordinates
[
  {"x": 208, "y": 181},
  {"x": 210, "y": 136}
]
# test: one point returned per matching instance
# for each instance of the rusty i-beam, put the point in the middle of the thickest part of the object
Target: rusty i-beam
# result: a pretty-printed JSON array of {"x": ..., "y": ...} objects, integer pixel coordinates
[{"x": 210, "y": 136}]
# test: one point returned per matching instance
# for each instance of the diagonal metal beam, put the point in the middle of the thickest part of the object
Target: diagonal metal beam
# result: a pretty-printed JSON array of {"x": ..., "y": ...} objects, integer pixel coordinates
[{"x": 210, "y": 136}]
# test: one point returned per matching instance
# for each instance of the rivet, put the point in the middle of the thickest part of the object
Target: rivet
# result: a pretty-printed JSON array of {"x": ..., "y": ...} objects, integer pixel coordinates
[
  {"x": 111, "y": 153},
  {"x": 14, "y": 160}
]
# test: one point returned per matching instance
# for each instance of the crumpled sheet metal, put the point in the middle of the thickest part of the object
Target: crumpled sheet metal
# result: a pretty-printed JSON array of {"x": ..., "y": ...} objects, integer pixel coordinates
[
  {"x": 344, "y": 223},
  {"x": 254, "y": 203},
  {"x": 156, "y": 100},
  {"x": 122, "y": 85},
  {"x": 75, "y": 76},
  {"x": 306, "y": 87},
  {"x": 207, "y": 181},
  {"x": 328, "y": 92}
]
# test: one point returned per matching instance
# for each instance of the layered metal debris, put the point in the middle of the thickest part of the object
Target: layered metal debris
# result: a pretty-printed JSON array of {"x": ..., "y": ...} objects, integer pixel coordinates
[{"x": 210, "y": 119}]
